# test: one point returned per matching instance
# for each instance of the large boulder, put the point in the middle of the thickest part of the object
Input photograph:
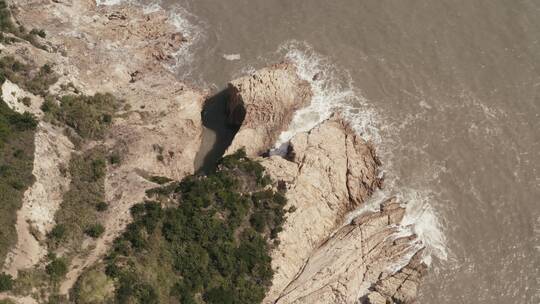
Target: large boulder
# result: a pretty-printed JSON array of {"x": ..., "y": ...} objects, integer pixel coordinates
[{"x": 263, "y": 105}]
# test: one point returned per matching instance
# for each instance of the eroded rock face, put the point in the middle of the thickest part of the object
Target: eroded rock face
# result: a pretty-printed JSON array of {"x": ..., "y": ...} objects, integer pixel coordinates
[
  {"x": 357, "y": 257},
  {"x": 328, "y": 172},
  {"x": 263, "y": 104}
]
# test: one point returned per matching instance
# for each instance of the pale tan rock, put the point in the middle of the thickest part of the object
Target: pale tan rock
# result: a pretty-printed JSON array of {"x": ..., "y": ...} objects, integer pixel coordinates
[
  {"x": 353, "y": 259},
  {"x": 319, "y": 178},
  {"x": 328, "y": 172},
  {"x": 12, "y": 94},
  {"x": 263, "y": 104}
]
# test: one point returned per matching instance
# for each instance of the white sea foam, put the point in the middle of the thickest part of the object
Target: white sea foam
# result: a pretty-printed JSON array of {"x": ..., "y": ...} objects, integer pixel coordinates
[
  {"x": 334, "y": 92},
  {"x": 193, "y": 30},
  {"x": 423, "y": 220}
]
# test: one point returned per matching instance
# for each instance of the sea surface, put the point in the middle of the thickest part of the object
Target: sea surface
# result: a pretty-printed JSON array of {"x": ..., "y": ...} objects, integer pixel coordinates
[{"x": 448, "y": 90}]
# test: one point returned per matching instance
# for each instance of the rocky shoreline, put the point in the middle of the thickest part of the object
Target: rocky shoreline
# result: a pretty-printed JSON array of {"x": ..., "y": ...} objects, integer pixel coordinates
[{"x": 327, "y": 172}]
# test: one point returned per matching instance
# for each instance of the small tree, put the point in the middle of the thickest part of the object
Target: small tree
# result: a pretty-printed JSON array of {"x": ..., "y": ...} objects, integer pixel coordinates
[
  {"x": 57, "y": 268},
  {"x": 95, "y": 230},
  {"x": 102, "y": 206},
  {"x": 58, "y": 232},
  {"x": 6, "y": 282}
]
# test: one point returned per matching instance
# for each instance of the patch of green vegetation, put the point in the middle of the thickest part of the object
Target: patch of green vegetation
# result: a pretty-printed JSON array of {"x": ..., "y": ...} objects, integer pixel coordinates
[
  {"x": 30, "y": 280},
  {"x": 16, "y": 164},
  {"x": 57, "y": 268},
  {"x": 6, "y": 282},
  {"x": 89, "y": 116},
  {"x": 212, "y": 246},
  {"x": 78, "y": 213},
  {"x": 95, "y": 231},
  {"x": 42, "y": 283},
  {"x": 115, "y": 158},
  {"x": 36, "y": 81},
  {"x": 102, "y": 206},
  {"x": 93, "y": 287},
  {"x": 7, "y": 301}
]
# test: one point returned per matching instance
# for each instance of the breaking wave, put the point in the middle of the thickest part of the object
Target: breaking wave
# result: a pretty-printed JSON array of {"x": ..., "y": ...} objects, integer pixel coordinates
[{"x": 334, "y": 92}]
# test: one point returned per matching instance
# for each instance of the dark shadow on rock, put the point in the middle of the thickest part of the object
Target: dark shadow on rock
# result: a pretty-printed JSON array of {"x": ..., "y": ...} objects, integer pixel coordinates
[{"x": 219, "y": 132}]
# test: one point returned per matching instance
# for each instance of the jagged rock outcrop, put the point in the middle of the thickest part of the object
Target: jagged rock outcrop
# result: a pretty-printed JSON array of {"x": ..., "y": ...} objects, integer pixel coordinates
[
  {"x": 328, "y": 172},
  {"x": 263, "y": 105},
  {"x": 359, "y": 256}
]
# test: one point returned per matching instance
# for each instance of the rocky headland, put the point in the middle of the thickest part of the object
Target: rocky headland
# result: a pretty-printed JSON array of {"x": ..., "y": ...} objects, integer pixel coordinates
[
  {"x": 323, "y": 255},
  {"x": 329, "y": 172}
]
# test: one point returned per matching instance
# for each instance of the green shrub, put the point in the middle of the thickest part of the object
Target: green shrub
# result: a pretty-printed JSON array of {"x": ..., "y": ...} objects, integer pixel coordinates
[
  {"x": 8, "y": 26},
  {"x": 78, "y": 211},
  {"x": 16, "y": 163},
  {"x": 58, "y": 232},
  {"x": 89, "y": 116},
  {"x": 160, "y": 179},
  {"x": 93, "y": 287},
  {"x": 102, "y": 206},
  {"x": 99, "y": 168},
  {"x": 57, "y": 268},
  {"x": 26, "y": 76},
  {"x": 114, "y": 158},
  {"x": 95, "y": 230},
  {"x": 6, "y": 282}
]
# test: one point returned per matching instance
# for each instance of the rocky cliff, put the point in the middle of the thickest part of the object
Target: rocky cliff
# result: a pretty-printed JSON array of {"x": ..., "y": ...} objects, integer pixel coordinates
[{"x": 328, "y": 172}]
